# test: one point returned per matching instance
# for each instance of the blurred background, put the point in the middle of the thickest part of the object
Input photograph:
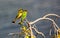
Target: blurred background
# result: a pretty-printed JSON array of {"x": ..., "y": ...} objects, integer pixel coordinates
[{"x": 36, "y": 9}]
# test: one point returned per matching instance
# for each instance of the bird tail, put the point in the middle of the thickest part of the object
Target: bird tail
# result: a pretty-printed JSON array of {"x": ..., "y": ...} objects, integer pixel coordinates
[
  {"x": 21, "y": 23},
  {"x": 14, "y": 20}
]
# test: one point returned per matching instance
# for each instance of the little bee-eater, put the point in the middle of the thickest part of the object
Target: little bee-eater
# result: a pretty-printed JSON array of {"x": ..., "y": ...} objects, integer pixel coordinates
[
  {"x": 23, "y": 17},
  {"x": 19, "y": 14}
]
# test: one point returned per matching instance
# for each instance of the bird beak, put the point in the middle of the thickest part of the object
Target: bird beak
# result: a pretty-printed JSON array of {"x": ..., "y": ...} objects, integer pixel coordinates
[{"x": 13, "y": 21}]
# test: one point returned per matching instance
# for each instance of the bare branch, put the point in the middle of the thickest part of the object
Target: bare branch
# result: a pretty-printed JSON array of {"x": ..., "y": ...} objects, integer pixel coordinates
[
  {"x": 44, "y": 19},
  {"x": 11, "y": 33},
  {"x": 14, "y": 33},
  {"x": 38, "y": 32},
  {"x": 30, "y": 27},
  {"x": 31, "y": 31},
  {"x": 51, "y": 15}
]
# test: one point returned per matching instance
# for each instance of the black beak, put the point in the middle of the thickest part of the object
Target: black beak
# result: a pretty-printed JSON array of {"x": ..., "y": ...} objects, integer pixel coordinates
[{"x": 13, "y": 21}]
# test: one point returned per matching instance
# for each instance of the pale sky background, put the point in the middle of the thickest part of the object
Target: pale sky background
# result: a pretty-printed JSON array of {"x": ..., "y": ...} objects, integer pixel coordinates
[{"x": 36, "y": 9}]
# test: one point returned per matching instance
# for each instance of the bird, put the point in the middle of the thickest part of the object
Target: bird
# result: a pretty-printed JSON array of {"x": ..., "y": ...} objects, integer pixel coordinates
[
  {"x": 19, "y": 14},
  {"x": 22, "y": 14},
  {"x": 58, "y": 33},
  {"x": 23, "y": 17}
]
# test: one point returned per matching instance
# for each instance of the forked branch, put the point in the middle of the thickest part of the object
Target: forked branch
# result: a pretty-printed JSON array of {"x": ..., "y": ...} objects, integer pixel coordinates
[
  {"x": 39, "y": 19},
  {"x": 38, "y": 32}
]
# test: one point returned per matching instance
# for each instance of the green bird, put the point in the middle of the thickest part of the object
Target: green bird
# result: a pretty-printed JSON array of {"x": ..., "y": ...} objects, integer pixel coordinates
[
  {"x": 22, "y": 14},
  {"x": 23, "y": 17},
  {"x": 19, "y": 14}
]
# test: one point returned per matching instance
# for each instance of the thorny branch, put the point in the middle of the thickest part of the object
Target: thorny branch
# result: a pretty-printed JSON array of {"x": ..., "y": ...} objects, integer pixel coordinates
[
  {"x": 30, "y": 27},
  {"x": 51, "y": 15},
  {"x": 38, "y": 32},
  {"x": 44, "y": 19}
]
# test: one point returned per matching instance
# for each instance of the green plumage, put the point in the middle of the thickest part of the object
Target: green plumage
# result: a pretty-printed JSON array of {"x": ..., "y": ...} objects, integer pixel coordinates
[{"x": 23, "y": 17}]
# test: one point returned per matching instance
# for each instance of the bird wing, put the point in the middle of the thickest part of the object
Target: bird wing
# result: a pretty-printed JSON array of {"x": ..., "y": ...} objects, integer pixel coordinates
[{"x": 24, "y": 16}]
